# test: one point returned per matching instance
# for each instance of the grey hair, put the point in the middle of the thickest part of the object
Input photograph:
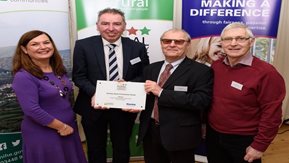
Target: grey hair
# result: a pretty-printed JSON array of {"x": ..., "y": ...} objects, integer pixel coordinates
[
  {"x": 238, "y": 25},
  {"x": 188, "y": 37}
]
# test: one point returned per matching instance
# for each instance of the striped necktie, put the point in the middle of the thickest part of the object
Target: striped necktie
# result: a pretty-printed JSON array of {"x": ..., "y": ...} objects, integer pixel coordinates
[{"x": 113, "y": 68}]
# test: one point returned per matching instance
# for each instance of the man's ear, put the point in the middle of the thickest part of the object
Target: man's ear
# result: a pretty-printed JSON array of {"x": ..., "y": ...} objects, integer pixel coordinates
[{"x": 252, "y": 41}]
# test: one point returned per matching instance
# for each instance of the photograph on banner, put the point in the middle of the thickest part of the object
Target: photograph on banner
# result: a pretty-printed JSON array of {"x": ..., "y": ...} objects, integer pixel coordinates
[
  {"x": 206, "y": 50},
  {"x": 262, "y": 16},
  {"x": 18, "y": 17}
]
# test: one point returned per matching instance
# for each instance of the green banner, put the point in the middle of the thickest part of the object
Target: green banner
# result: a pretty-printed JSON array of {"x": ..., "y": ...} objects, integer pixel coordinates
[
  {"x": 146, "y": 21},
  {"x": 10, "y": 148}
]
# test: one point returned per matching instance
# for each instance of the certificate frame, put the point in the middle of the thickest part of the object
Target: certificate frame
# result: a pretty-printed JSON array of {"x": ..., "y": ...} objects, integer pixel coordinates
[{"x": 116, "y": 94}]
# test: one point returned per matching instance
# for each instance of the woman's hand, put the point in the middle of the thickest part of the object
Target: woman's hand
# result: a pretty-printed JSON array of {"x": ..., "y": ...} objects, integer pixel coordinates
[{"x": 65, "y": 130}]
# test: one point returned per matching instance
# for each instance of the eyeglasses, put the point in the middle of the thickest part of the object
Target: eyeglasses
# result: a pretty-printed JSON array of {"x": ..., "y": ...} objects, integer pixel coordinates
[
  {"x": 228, "y": 40},
  {"x": 169, "y": 41}
]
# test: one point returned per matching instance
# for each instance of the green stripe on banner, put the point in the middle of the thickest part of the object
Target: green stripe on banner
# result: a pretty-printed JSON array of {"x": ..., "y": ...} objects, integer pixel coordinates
[
  {"x": 87, "y": 11},
  {"x": 80, "y": 16},
  {"x": 152, "y": 9}
]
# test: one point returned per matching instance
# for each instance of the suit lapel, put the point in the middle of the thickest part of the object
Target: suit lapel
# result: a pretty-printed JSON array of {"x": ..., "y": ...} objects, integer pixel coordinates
[
  {"x": 153, "y": 75},
  {"x": 99, "y": 52},
  {"x": 126, "y": 56},
  {"x": 156, "y": 71}
]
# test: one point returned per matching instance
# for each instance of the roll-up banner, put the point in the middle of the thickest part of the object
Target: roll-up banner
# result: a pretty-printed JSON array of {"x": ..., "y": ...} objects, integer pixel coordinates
[
  {"x": 207, "y": 18},
  {"x": 16, "y": 18},
  {"x": 146, "y": 21}
]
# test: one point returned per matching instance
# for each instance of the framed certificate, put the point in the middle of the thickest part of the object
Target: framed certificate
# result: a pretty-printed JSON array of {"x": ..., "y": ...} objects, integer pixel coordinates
[{"x": 114, "y": 94}]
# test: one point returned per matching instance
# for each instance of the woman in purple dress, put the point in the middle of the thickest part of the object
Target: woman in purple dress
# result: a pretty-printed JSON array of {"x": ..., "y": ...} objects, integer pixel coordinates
[{"x": 49, "y": 128}]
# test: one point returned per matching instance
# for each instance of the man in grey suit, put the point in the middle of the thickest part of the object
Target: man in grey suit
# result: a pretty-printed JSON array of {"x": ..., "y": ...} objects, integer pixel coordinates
[
  {"x": 170, "y": 125},
  {"x": 91, "y": 62}
]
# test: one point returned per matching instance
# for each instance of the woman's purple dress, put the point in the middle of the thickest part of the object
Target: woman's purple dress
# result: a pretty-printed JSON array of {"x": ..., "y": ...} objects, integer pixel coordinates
[{"x": 41, "y": 103}]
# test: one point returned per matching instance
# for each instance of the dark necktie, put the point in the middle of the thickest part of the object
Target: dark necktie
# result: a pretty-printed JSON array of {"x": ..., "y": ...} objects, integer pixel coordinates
[
  {"x": 113, "y": 68},
  {"x": 163, "y": 78}
]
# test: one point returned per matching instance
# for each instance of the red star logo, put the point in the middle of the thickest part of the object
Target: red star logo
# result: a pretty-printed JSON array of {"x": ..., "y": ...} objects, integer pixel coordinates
[{"x": 132, "y": 31}]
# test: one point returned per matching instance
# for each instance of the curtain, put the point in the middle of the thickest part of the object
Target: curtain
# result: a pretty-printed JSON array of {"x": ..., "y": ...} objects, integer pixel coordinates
[{"x": 281, "y": 57}]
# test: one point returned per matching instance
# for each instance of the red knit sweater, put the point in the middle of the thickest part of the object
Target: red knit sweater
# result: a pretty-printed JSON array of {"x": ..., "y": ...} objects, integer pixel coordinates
[{"x": 247, "y": 101}]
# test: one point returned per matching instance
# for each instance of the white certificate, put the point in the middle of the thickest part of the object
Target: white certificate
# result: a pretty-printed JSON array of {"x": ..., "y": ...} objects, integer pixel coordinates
[{"x": 113, "y": 94}]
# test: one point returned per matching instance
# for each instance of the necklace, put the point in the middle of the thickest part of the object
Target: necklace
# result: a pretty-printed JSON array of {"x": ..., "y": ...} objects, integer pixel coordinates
[{"x": 63, "y": 92}]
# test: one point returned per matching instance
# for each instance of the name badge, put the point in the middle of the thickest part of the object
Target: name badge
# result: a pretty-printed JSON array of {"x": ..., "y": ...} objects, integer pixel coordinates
[
  {"x": 181, "y": 88},
  {"x": 134, "y": 61},
  {"x": 236, "y": 85}
]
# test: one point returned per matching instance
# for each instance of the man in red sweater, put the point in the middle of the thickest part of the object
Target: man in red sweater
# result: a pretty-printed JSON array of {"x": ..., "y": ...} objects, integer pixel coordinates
[{"x": 247, "y": 98}]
